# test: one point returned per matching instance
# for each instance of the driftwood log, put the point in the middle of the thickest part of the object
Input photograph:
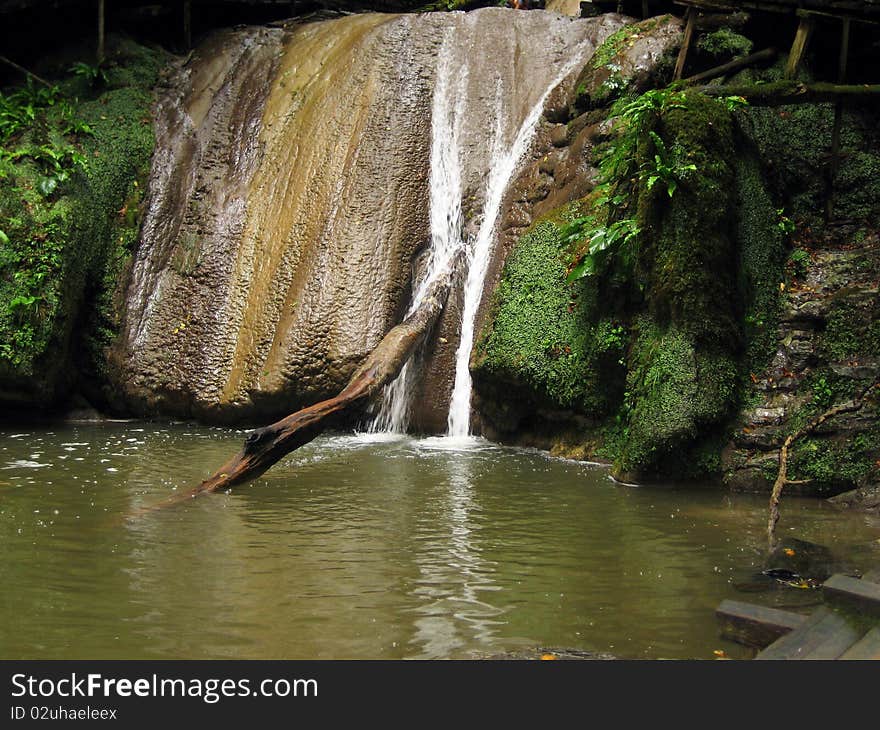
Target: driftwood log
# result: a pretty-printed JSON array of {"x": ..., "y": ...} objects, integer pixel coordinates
[{"x": 266, "y": 446}]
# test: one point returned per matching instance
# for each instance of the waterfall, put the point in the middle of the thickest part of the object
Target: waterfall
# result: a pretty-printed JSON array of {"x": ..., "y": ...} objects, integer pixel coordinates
[
  {"x": 449, "y": 115},
  {"x": 445, "y": 201}
]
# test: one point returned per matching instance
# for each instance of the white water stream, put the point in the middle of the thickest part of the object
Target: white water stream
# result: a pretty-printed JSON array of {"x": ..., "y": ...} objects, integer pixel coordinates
[{"x": 449, "y": 119}]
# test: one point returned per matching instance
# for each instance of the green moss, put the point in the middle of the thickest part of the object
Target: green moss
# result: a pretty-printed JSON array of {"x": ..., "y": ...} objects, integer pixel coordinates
[
  {"x": 837, "y": 464},
  {"x": 74, "y": 241},
  {"x": 761, "y": 262},
  {"x": 724, "y": 44},
  {"x": 683, "y": 372},
  {"x": 689, "y": 261},
  {"x": 547, "y": 335},
  {"x": 794, "y": 143},
  {"x": 675, "y": 391},
  {"x": 852, "y": 331}
]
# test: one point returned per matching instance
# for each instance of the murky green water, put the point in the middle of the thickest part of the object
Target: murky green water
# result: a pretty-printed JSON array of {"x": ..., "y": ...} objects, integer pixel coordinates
[{"x": 353, "y": 548}]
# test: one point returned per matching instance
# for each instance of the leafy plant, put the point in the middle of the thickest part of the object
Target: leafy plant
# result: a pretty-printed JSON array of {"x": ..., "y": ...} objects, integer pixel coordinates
[
  {"x": 93, "y": 75},
  {"x": 784, "y": 223},
  {"x": 666, "y": 167},
  {"x": 823, "y": 393},
  {"x": 614, "y": 230},
  {"x": 602, "y": 240},
  {"x": 799, "y": 262}
]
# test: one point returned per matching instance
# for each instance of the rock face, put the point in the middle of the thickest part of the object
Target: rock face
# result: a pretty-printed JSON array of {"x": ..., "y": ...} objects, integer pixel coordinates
[
  {"x": 289, "y": 201},
  {"x": 826, "y": 350}
]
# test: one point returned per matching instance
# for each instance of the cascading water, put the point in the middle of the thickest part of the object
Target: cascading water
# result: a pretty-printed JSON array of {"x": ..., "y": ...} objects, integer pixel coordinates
[
  {"x": 446, "y": 235},
  {"x": 449, "y": 116}
]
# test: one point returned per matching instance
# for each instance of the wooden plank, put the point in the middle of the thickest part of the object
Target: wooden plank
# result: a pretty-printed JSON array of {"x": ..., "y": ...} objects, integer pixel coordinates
[
  {"x": 756, "y": 626},
  {"x": 868, "y": 647},
  {"x": 861, "y": 595},
  {"x": 685, "y": 44},
  {"x": 825, "y": 635},
  {"x": 799, "y": 46}
]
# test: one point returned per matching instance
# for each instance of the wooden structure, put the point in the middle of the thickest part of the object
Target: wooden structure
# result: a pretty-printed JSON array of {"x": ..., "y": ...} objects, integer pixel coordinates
[{"x": 847, "y": 626}]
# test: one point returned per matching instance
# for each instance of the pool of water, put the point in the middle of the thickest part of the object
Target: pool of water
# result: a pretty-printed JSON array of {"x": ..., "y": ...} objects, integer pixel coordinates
[{"x": 361, "y": 546}]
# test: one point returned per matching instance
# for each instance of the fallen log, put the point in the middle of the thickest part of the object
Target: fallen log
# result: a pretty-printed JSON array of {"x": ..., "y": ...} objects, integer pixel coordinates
[
  {"x": 783, "y": 93},
  {"x": 768, "y": 54},
  {"x": 264, "y": 447}
]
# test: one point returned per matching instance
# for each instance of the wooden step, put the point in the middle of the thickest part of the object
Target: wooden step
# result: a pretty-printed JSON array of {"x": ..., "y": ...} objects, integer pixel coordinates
[
  {"x": 868, "y": 647},
  {"x": 861, "y": 595},
  {"x": 753, "y": 625},
  {"x": 824, "y": 635}
]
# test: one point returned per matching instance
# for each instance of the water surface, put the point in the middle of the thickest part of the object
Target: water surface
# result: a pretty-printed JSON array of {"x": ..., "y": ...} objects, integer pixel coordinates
[{"x": 366, "y": 547}]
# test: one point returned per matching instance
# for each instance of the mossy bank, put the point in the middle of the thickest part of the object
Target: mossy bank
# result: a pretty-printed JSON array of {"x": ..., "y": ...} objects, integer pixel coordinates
[
  {"x": 71, "y": 181},
  {"x": 745, "y": 311}
]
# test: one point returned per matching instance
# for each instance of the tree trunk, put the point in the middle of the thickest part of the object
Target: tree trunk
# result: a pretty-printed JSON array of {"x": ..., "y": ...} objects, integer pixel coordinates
[{"x": 266, "y": 446}]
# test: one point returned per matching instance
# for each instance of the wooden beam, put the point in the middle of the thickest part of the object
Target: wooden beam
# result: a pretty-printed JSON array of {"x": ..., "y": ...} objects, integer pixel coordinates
[
  {"x": 23, "y": 70},
  {"x": 799, "y": 46},
  {"x": 783, "y": 93},
  {"x": 825, "y": 635},
  {"x": 100, "y": 53},
  {"x": 685, "y": 44},
  {"x": 768, "y": 54},
  {"x": 852, "y": 592},
  {"x": 755, "y": 626}
]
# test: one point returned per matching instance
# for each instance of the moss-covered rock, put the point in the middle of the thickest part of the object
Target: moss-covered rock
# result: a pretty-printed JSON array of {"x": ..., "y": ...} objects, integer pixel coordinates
[
  {"x": 794, "y": 143},
  {"x": 724, "y": 44},
  {"x": 69, "y": 239},
  {"x": 549, "y": 340},
  {"x": 626, "y": 62}
]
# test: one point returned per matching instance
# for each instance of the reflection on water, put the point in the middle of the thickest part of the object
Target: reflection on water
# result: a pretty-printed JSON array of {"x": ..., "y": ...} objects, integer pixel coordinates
[{"x": 365, "y": 546}]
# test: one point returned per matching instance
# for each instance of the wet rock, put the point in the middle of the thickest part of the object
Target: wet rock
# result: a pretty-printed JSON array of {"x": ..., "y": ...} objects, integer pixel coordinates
[
  {"x": 865, "y": 498},
  {"x": 289, "y": 199}
]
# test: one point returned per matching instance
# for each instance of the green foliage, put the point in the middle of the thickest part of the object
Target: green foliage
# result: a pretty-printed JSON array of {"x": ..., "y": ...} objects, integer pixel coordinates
[
  {"x": 617, "y": 236},
  {"x": 724, "y": 43},
  {"x": 799, "y": 263},
  {"x": 610, "y": 229},
  {"x": 823, "y": 393},
  {"x": 666, "y": 167},
  {"x": 67, "y": 167},
  {"x": 784, "y": 224},
  {"x": 793, "y": 143},
  {"x": 842, "y": 464},
  {"x": 547, "y": 336},
  {"x": 852, "y": 330},
  {"x": 94, "y": 76}
]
